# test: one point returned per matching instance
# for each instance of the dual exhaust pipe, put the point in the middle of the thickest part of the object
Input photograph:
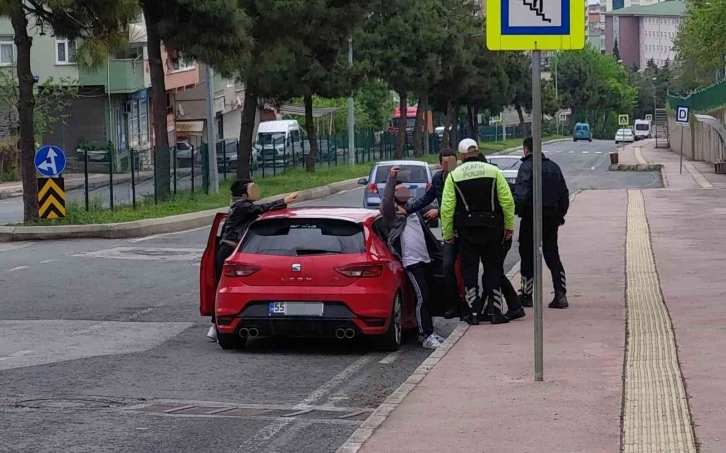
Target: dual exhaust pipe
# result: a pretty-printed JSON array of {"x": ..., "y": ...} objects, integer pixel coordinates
[
  {"x": 344, "y": 333},
  {"x": 252, "y": 332}
]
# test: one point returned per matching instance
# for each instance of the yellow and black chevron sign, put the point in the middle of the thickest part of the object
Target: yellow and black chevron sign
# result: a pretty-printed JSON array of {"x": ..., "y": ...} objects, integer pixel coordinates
[{"x": 51, "y": 198}]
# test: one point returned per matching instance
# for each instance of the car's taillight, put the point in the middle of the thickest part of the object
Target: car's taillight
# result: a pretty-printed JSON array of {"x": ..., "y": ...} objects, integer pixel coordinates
[
  {"x": 361, "y": 270},
  {"x": 428, "y": 185},
  {"x": 239, "y": 270},
  {"x": 373, "y": 188}
]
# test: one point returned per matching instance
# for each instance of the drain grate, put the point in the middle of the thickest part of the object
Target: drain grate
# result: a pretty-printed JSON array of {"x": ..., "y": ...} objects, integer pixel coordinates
[{"x": 68, "y": 403}]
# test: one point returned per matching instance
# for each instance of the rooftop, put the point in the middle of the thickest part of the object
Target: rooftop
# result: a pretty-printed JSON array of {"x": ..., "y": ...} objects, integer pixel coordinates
[{"x": 666, "y": 8}]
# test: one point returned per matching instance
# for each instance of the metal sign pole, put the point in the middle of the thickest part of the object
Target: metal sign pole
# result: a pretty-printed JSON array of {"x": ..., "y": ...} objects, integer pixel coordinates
[
  {"x": 537, "y": 195},
  {"x": 683, "y": 132}
]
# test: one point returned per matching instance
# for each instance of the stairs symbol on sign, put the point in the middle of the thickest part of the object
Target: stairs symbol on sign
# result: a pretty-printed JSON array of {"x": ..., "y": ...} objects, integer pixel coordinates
[{"x": 536, "y": 6}]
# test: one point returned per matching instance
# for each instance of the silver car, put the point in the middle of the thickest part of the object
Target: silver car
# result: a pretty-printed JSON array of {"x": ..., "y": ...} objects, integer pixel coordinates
[
  {"x": 509, "y": 165},
  {"x": 413, "y": 174}
]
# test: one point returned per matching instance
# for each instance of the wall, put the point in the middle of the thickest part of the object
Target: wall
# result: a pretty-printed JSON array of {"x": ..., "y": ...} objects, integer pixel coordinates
[
  {"x": 656, "y": 39},
  {"x": 700, "y": 141}
]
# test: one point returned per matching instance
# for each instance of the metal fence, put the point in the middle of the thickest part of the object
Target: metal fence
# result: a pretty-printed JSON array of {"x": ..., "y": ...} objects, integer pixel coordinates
[{"x": 113, "y": 178}]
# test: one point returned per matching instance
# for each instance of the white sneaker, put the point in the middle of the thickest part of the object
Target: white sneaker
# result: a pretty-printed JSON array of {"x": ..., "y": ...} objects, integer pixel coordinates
[
  {"x": 431, "y": 342},
  {"x": 212, "y": 333},
  {"x": 441, "y": 339}
]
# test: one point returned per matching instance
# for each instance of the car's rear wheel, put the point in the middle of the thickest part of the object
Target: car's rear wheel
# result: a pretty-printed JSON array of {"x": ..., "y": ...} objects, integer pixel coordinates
[
  {"x": 391, "y": 340},
  {"x": 230, "y": 341},
  {"x": 574, "y": 139}
]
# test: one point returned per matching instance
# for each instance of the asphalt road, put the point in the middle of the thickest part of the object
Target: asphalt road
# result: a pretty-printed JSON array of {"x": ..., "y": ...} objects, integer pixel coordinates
[{"x": 99, "y": 337}]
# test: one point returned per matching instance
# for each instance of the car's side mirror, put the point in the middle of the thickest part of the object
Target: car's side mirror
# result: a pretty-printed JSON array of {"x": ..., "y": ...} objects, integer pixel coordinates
[{"x": 363, "y": 181}]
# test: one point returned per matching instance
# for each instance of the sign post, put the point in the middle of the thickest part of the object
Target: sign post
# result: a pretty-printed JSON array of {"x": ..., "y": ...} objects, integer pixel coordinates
[
  {"x": 623, "y": 120},
  {"x": 682, "y": 115},
  {"x": 536, "y": 26},
  {"x": 50, "y": 162}
]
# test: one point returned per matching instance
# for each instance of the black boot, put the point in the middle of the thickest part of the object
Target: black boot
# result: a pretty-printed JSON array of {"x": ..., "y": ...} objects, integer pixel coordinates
[
  {"x": 472, "y": 319},
  {"x": 526, "y": 300},
  {"x": 560, "y": 300},
  {"x": 451, "y": 314},
  {"x": 499, "y": 318},
  {"x": 516, "y": 314}
]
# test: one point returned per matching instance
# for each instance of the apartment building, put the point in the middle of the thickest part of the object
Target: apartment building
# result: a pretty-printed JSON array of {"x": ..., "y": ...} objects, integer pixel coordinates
[
  {"x": 596, "y": 25},
  {"x": 644, "y": 32}
]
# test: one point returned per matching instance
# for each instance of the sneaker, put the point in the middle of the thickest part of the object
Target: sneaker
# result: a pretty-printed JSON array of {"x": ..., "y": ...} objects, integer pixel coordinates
[
  {"x": 516, "y": 314},
  {"x": 526, "y": 300},
  {"x": 212, "y": 333},
  {"x": 431, "y": 342},
  {"x": 439, "y": 337},
  {"x": 499, "y": 318},
  {"x": 421, "y": 338},
  {"x": 560, "y": 301}
]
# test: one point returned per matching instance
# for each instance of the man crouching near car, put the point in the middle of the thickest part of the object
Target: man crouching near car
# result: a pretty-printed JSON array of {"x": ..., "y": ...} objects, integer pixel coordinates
[
  {"x": 412, "y": 242},
  {"x": 242, "y": 212}
]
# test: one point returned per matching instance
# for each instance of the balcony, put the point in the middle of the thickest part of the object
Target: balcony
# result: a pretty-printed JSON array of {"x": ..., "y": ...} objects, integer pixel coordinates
[{"x": 126, "y": 76}]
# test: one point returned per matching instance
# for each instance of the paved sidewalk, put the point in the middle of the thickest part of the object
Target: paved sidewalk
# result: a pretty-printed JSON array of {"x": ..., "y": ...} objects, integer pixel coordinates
[{"x": 634, "y": 249}]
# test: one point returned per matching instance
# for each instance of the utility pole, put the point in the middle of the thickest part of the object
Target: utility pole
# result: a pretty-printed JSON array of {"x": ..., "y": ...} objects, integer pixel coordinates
[
  {"x": 351, "y": 115},
  {"x": 211, "y": 142},
  {"x": 537, "y": 195}
]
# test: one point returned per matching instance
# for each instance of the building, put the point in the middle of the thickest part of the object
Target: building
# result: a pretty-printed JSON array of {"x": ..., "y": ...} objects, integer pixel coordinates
[
  {"x": 614, "y": 5},
  {"x": 596, "y": 25},
  {"x": 644, "y": 32}
]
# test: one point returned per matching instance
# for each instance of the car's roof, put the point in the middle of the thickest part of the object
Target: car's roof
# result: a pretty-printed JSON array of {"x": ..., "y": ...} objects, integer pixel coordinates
[
  {"x": 402, "y": 162},
  {"x": 323, "y": 212},
  {"x": 276, "y": 126}
]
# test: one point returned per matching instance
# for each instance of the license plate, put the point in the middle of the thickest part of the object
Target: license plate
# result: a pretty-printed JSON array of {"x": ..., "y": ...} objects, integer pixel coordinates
[{"x": 296, "y": 309}]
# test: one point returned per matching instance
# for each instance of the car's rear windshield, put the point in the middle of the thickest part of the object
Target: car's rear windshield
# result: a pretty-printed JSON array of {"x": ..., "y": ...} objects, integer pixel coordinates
[
  {"x": 406, "y": 174},
  {"x": 304, "y": 237},
  {"x": 582, "y": 127},
  {"x": 506, "y": 163},
  {"x": 642, "y": 127}
]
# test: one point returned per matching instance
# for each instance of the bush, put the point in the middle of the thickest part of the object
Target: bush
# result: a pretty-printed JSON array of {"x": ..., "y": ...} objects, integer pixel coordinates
[{"x": 9, "y": 160}]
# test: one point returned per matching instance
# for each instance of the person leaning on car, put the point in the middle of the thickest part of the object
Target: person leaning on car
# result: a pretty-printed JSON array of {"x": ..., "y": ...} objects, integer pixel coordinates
[
  {"x": 447, "y": 160},
  {"x": 242, "y": 212}
]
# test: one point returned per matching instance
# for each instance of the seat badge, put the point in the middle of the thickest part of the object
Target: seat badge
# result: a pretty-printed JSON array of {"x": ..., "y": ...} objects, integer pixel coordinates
[{"x": 297, "y": 267}]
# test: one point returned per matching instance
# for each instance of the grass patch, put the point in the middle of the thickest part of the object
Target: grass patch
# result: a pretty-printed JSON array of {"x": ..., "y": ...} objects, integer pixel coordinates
[
  {"x": 185, "y": 202},
  {"x": 493, "y": 147}
]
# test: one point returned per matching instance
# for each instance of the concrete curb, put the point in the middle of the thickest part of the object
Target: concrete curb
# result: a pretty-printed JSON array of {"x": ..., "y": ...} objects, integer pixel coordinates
[{"x": 636, "y": 167}]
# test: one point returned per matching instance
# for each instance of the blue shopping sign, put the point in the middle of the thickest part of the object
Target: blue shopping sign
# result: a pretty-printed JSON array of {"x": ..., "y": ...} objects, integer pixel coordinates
[{"x": 50, "y": 161}]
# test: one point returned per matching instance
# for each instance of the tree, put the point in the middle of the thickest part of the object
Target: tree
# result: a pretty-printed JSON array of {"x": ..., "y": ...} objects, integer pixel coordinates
[
  {"x": 520, "y": 79},
  {"x": 376, "y": 104},
  {"x": 701, "y": 44},
  {"x": 98, "y": 23},
  {"x": 211, "y": 31},
  {"x": 550, "y": 100},
  {"x": 616, "y": 50}
]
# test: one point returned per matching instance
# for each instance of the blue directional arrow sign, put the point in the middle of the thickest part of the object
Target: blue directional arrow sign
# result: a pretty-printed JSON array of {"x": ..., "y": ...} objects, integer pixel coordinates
[{"x": 50, "y": 161}]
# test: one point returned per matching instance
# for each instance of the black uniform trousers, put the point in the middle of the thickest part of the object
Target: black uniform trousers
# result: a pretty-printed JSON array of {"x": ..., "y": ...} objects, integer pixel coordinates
[
  {"x": 483, "y": 245},
  {"x": 550, "y": 250},
  {"x": 508, "y": 292}
]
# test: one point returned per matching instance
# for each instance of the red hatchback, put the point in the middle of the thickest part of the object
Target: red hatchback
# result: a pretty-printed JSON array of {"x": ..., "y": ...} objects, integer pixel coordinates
[{"x": 311, "y": 272}]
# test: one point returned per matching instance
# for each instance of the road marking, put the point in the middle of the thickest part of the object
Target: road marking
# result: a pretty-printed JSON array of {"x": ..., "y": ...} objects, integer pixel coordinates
[
  {"x": 18, "y": 245},
  {"x": 592, "y": 168},
  {"x": 48, "y": 261},
  {"x": 146, "y": 254},
  {"x": 558, "y": 152},
  {"x": 698, "y": 176},
  {"x": 156, "y": 236},
  {"x": 19, "y": 268},
  {"x": 572, "y": 152},
  {"x": 598, "y": 152},
  {"x": 16, "y": 355},
  {"x": 585, "y": 152},
  {"x": 390, "y": 358}
]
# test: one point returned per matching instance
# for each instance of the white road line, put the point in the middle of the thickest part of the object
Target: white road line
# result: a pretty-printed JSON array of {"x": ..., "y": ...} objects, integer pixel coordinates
[
  {"x": 18, "y": 245},
  {"x": 592, "y": 168},
  {"x": 16, "y": 355},
  {"x": 585, "y": 152},
  {"x": 156, "y": 236},
  {"x": 19, "y": 268},
  {"x": 572, "y": 152},
  {"x": 390, "y": 358},
  {"x": 48, "y": 261},
  {"x": 598, "y": 152}
]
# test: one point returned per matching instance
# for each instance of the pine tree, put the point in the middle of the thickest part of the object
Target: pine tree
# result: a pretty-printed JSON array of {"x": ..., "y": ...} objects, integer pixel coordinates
[{"x": 616, "y": 50}]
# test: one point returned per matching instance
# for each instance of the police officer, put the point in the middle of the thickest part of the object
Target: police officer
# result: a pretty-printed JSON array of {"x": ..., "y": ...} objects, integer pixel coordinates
[
  {"x": 478, "y": 204},
  {"x": 555, "y": 203}
]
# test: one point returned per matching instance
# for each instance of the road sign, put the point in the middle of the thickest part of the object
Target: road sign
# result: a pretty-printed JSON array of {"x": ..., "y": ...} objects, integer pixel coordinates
[
  {"x": 563, "y": 117},
  {"x": 649, "y": 117},
  {"x": 682, "y": 115},
  {"x": 535, "y": 24},
  {"x": 623, "y": 120},
  {"x": 50, "y": 161},
  {"x": 51, "y": 198},
  {"x": 495, "y": 119},
  {"x": 566, "y": 112}
]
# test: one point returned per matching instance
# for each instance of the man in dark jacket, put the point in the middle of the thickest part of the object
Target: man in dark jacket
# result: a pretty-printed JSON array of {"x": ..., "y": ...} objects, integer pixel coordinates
[
  {"x": 555, "y": 203},
  {"x": 451, "y": 251},
  {"x": 412, "y": 242},
  {"x": 242, "y": 212}
]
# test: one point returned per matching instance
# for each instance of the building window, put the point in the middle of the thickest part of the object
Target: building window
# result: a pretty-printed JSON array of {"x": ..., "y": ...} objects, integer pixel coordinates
[
  {"x": 179, "y": 64},
  {"x": 7, "y": 50},
  {"x": 65, "y": 51},
  {"x": 134, "y": 124},
  {"x": 144, "y": 121}
]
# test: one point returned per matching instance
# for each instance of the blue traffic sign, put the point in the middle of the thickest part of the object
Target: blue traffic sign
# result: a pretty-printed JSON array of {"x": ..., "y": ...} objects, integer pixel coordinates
[{"x": 50, "y": 161}]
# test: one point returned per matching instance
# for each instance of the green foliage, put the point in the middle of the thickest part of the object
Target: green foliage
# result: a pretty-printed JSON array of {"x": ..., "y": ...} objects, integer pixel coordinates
[
  {"x": 701, "y": 44},
  {"x": 616, "y": 50},
  {"x": 377, "y": 104}
]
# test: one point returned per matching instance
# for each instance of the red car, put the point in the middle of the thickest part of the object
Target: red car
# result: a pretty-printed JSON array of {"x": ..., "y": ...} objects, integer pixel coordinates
[{"x": 311, "y": 272}]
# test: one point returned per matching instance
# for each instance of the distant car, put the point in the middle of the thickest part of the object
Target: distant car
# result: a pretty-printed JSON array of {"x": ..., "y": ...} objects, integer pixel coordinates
[
  {"x": 582, "y": 132},
  {"x": 624, "y": 135},
  {"x": 413, "y": 174},
  {"x": 642, "y": 129},
  {"x": 227, "y": 156},
  {"x": 509, "y": 165},
  {"x": 311, "y": 272},
  {"x": 185, "y": 151}
]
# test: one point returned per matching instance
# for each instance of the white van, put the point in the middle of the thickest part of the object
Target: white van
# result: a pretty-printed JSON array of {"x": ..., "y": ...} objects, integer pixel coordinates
[
  {"x": 279, "y": 142},
  {"x": 642, "y": 129}
]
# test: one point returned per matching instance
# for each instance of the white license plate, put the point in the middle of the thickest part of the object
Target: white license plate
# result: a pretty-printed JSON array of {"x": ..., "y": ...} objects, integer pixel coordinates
[{"x": 296, "y": 309}]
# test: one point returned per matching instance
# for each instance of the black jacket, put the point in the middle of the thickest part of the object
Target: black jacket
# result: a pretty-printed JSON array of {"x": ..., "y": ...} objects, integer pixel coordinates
[
  {"x": 397, "y": 223},
  {"x": 241, "y": 214},
  {"x": 555, "y": 195},
  {"x": 434, "y": 193}
]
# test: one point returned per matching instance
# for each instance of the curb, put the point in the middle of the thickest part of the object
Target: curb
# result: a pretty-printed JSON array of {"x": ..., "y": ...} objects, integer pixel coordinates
[{"x": 636, "y": 167}]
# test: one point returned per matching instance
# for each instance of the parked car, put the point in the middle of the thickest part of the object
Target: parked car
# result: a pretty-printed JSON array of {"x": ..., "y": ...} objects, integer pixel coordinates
[
  {"x": 279, "y": 143},
  {"x": 227, "y": 152},
  {"x": 509, "y": 165},
  {"x": 582, "y": 132},
  {"x": 185, "y": 152},
  {"x": 311, "y": 272},
  {"x": 624, "y": 135},
  {"x": 413, "y": 174}
]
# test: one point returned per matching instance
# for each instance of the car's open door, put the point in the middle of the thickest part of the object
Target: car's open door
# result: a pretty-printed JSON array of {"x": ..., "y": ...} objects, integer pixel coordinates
[{"x": 207, "y": 272}]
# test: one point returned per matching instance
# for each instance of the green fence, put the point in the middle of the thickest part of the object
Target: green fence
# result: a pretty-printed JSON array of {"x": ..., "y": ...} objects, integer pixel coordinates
[{"x": 702, "y": 100}]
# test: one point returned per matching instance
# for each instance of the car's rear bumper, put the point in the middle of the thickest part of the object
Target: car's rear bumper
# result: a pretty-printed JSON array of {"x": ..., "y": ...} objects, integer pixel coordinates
[{"x": 365, "y": 310}]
